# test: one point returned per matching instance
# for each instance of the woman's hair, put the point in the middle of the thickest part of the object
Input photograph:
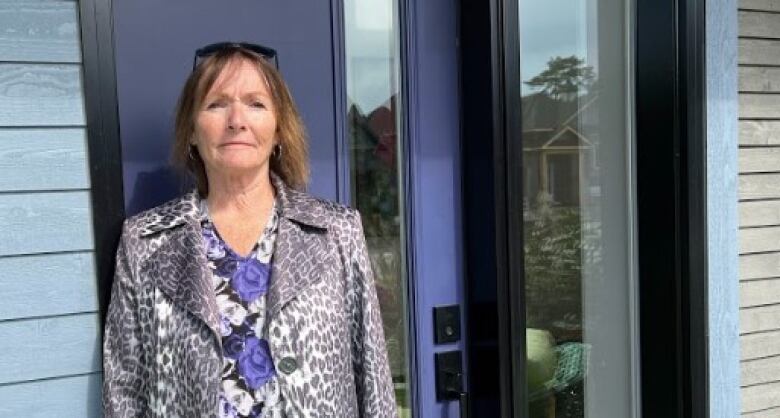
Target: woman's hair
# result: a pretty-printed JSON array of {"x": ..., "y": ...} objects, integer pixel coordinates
[{"x": 291, "y": 164}]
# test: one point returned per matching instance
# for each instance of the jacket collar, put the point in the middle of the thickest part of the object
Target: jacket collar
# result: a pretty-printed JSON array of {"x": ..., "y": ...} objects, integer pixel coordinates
[
  {"x": 179, "y": 265},
  {"x": 294, "y": 205}
]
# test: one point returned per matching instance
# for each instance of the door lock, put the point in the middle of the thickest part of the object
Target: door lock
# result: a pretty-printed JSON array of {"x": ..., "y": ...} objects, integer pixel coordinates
[{"x": 449, "y": 380}]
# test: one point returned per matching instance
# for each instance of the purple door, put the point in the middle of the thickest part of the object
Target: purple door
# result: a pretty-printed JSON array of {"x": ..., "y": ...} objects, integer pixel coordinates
[{"x": 384, "y": 138}]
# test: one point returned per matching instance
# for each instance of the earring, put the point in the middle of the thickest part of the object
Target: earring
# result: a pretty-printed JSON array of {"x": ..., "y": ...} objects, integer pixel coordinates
[
  {"x": 192, "y": 157},
  {"x": 278, "y": 151}
]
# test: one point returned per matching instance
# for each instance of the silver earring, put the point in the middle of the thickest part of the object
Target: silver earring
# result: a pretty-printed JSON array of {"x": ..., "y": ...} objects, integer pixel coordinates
[
  {"x": 192, "y": 157},
  {"x": 278, "y": 151}
]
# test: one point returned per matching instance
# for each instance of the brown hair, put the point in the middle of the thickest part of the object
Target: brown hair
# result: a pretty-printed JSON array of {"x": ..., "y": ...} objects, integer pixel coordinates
[{"x": 291, "y": 164}]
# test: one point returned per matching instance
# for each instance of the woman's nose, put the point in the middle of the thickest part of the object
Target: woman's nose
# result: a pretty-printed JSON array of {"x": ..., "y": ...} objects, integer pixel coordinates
[{"x": 236, "y": 119}]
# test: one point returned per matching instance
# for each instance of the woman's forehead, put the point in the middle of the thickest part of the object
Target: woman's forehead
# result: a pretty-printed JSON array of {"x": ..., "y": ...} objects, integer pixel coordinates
[{"x": 242, "y": 74}]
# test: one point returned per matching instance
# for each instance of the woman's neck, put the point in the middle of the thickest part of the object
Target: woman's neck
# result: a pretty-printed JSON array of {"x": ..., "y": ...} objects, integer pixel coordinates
[{"x": 240, "y": 195}]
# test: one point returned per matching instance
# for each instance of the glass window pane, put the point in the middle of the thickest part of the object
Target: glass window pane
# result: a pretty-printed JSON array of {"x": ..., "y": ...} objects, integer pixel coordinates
[
  {"x": 372, "y": 67},
  {"x": 576, "y": 139}
]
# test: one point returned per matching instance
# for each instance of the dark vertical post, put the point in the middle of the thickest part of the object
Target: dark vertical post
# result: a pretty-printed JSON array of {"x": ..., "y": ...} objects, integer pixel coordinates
[
  {"x": 671, "y": 201},
  {"x": 105, "y": 161}
]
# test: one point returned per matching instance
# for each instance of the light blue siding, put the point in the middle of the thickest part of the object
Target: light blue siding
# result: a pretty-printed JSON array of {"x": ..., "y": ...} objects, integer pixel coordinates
[
  {"x": 68, "y": 397},
  {"x": 49, "y": 347},
  {"x": 722, "y": 169},
  {"x": 45, "y": 222},
  {"x": 43, "y": 159},
  {"x": 50, "y": 360},
  {"x": 41, "y": 95},
  {"x": 47, "y": 285},
  {"x": 42, "y": 31}
]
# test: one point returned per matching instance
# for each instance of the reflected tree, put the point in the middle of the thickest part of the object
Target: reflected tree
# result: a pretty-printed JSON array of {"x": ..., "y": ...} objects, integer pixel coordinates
[{"x": 564, "y": 77}]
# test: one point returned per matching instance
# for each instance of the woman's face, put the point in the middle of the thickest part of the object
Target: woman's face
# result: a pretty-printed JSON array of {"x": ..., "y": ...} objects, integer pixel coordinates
[{"x": 235, "y": 127}]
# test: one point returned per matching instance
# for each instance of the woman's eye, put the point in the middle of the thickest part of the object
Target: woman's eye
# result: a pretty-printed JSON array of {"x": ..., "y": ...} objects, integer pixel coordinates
[
  {"x": 215, "y": 105},
  {"x": 259, "y": 105}
]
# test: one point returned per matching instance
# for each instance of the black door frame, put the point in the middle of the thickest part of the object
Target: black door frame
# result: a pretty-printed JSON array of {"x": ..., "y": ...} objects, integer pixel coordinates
[
  {"x": 670, "y": 134},
  {"x": 103, "y": 144}
]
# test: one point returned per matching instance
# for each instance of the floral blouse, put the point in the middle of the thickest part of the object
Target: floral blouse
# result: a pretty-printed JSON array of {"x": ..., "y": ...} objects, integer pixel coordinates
[{"x": 249, "y": 385}]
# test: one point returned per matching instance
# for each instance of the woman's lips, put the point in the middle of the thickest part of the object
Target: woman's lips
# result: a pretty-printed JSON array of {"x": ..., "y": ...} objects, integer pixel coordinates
[{"x": 236, "y": 144}]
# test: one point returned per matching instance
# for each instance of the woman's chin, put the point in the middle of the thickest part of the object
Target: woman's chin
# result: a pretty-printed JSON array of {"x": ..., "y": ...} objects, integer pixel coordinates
[{"x": 239, "y": 167}]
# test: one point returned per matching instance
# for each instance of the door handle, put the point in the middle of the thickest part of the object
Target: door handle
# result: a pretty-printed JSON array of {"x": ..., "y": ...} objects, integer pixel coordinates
[
  {"x": 449, "y": 380},
  {"x": 455, "y": 390}
]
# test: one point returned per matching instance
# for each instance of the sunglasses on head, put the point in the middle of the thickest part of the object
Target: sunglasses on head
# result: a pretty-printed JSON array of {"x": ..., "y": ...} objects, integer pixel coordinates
[{"x": 263, "y": 51}]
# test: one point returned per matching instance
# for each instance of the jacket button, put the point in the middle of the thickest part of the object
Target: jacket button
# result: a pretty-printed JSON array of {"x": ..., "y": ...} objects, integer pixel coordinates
[{"x": 287, "y": 365}]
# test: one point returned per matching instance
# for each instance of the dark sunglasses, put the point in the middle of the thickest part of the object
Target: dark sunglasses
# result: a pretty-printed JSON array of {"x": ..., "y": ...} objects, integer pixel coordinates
[{"x": 263, "y": 51}]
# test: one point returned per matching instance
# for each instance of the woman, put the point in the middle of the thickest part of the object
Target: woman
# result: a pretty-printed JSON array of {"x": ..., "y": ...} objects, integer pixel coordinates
[{"x": 245, "y": 297}]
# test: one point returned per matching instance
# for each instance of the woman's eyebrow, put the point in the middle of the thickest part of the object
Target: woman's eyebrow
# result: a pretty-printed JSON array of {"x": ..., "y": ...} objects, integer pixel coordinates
[{"x": 223, "y": 95}]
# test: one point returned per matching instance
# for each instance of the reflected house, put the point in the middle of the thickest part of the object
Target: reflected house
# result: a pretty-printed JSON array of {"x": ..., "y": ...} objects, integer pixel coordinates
[
  {"x": 374, "y": 153},
  {"x": 559, "y": 148},
  {"x": 373, "y": 147}
]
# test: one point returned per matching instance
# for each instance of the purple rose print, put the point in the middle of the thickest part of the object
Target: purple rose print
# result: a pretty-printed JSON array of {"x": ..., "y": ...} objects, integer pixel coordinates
[
  {"x": 224, "y": 326},
  {"x": 257, "y": 411},
  {"x": 214, "y": 247},
  {"x": 255, "y": 364},
  {"x": 226, "y": 410},
  {"x": 251, "y": 279},
  {"x": 233, "y": 345},
  {"x": 225, "y": 267}
]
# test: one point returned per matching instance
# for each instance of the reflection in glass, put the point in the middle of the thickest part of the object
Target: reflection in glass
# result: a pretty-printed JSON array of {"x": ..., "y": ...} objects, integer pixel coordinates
[
  {"x": 371, "y": 30},
  {"x": 576, "y": 218}
]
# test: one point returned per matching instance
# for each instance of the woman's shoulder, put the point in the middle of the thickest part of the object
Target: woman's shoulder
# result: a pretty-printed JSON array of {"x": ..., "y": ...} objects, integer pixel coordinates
[
  {"x": 166, "y": 215},
  {"x": 320, "y": 212}
]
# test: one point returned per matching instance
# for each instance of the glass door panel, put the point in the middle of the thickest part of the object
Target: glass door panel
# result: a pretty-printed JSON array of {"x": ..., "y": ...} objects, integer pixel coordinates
[
  {"x": 577, "y": 199},
  {"x": 373, "y": 88}
]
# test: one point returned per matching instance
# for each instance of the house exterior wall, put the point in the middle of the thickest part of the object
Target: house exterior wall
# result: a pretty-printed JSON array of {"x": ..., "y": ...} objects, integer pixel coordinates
[
  {"x": 49, "y": 325},
  {"x": 49, "y": 321},
  {"x": 759, "y": 206}
]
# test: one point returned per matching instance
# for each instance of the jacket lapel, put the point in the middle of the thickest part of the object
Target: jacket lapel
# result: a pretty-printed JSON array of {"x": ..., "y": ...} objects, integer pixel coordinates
[
  {"x": 179, "y": 266},
  {"x": 301, "y": 253}
]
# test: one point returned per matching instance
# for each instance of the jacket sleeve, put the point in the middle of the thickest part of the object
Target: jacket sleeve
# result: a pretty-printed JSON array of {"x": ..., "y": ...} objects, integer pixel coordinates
[
  {"x": 372, "y": 370},
  {"x": 125, "y": 372}
]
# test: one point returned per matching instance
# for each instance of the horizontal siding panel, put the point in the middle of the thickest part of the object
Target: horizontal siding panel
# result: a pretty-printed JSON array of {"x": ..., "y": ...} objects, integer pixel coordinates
[
  {"x": 759, "y": 106},
  {"x": 759, "y": 186},
  {"x": 755, "y": 160},
  {"x": 42, "y": 31},
  {"x": 766, "y": 413},
  {"x": 759, "y": 213},
  {"x": 755, "y": 240},
  {"x": 759, "y": 132},
  {"x": 760, "y": 318},
  {"x": 760, "y": 292},
  {"x": 68, "y": 397},
  {"x": 41, "y": 95},
  {"x": 759, "y": 79},
  {"x": 758, "y": 371},
  {"x": 761, "y": 25},
  {"x": 759, "y": 51},
  {"x": 43, "y": 159},
  {"x": 767, "y": 5},
  {"x": 65, "y": 281},
  {"x": 756, "y": 398},
  {"x": 45, "y": 222},
  {"x": 759, "y": 266},
  {"x": 763, "y": 344},
  {"x": 49, "y": 347}
]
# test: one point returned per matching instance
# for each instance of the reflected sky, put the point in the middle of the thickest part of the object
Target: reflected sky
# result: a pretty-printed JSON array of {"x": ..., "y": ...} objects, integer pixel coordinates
[
  {"x": 550, "y": 28},
  {"x": 370, "y": 40}
]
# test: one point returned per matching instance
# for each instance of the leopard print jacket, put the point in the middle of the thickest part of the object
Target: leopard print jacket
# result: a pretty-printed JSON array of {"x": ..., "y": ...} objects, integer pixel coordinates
[{"x": 162, "y": 346}]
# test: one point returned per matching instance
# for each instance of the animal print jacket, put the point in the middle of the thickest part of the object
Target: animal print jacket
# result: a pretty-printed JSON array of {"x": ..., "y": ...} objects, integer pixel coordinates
[{"x": 162, "y": 346}]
